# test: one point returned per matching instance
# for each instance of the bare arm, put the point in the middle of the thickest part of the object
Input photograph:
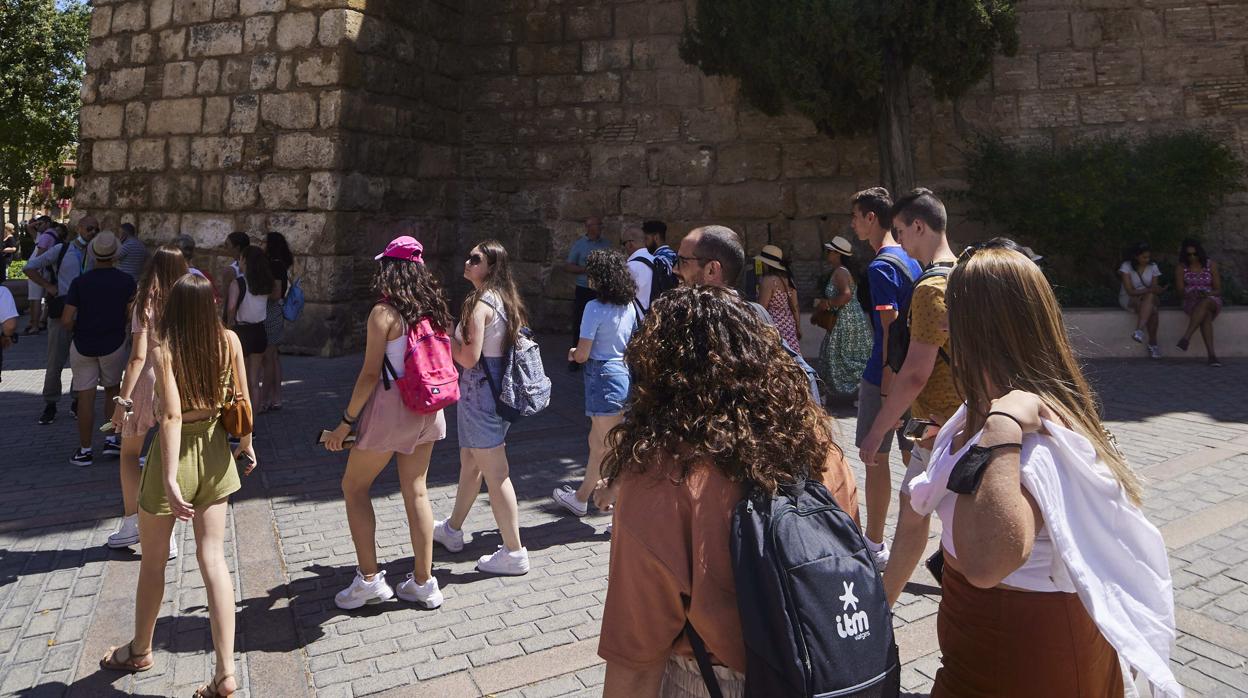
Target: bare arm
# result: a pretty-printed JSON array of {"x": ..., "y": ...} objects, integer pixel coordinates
[
  {"x": 887, "y": 317},
  {"x": 580, "y": 353},
  {"x": 1129, "y": 286},
  {"x": 796, "y": 310},
  {"x": 840, "y": 278},
  {"x": 68, "y": 315},
  {"x": 467, "y": 354},
  {"x": 995, "y": 528},
  {"x": 1178, "y": 281},
  {"x": 623, "y": 682},
  {"x": 381, "y": 323},
  {"x": 920, "y": 361},
  {"x": 134, "y": 367},
  {"x": 766, "y": 289},
  {"x": 239, "y": 362},
  {"x": 170, "y": 425}
]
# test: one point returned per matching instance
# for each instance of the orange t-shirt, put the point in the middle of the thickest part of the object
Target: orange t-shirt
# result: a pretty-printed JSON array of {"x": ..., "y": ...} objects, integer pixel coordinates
[{"x": 670, "y": 561}]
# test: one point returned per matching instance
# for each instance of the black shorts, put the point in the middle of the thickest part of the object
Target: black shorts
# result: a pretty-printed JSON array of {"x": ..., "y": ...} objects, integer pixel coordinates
[{"x": 251, "y": 335}]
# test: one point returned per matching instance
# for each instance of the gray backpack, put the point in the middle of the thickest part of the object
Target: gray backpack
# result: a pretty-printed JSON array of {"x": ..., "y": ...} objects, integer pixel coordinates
[{"x": 524, "y": 389}]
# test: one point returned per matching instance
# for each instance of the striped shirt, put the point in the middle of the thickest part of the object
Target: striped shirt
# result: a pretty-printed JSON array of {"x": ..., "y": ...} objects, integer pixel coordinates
[{"x": 132, "y": 256}]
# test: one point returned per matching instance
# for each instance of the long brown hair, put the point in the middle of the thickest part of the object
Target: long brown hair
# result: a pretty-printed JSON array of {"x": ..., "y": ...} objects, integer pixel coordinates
[
  {"x": 411, "y": 289},
  {"x": 499, "y": 280},
  {"x": 257, "y": 271},
  {"x": 192, "y": 336},
  {"x": 711, "y": 382},
  {"x": 1006, "y": 333},
  {"x": 166, "y": 266}
]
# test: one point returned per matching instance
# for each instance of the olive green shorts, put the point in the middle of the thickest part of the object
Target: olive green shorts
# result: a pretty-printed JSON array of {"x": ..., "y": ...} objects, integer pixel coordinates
[{"x": 206, "y": 470}]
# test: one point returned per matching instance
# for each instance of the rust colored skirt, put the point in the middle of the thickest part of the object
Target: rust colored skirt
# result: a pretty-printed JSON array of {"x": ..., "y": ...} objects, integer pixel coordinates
[{"x": 998, "y": 642}]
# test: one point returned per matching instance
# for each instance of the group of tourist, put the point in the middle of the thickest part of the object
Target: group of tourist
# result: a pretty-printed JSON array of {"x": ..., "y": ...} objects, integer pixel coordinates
[{"x": 696, "y": 397}]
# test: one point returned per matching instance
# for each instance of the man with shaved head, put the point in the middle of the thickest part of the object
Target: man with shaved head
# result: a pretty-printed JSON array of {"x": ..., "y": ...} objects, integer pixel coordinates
[
  {"x": 713, "y": 256},
  {"x": 54, "y": 271}
]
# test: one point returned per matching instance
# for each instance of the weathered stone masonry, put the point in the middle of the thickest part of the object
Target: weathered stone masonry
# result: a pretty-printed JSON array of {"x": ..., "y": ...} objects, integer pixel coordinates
[{"x": 343, "y": 122}]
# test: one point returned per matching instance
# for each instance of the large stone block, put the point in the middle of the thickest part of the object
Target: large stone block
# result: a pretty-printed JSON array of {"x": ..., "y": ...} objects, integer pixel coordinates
[
  {"x": 305, "y": 151},
  {"x": 1012, "y": 73},
  {"x": 216, "y": 152},
  {"x": 646, "y": 19},
  {"x": 1115, "y": 67},
  {"x": 245, "y": 114},
  {"x": 141, "y": 48},
  {"x": 1048, "y": 110},
  {"x": 130, "y": 17},
  {"x": 740, "y": 162},
  {"x": 179, "y": 79},
  {"x": 751, "y": 200},
  {"x": 177, "y": 192},
  {"x": 808, "y": 159},
  {"x": 657, "y": 52},
  {"x": 617, "y": 164},
  {"x": 574, "y": 89},
  {"x": 1180, "y": 64},
  {"x": 681, "y": 203},
  {"x": 1044, "y": 28},
  {"x": 681, "y": 164},
  {"x": 108, "y": 156},
  {"x": 122, "y": 84},
  {"x": 209, "y": 78},
  {"x": 160, "y": 14},
  {"x": 587, "y": 22},
  {"x": 217, "y": 39},
  {"x": 339, "y": 25},
  {"x": 263, "y": 71},
  {"x": 136, "y": 119},
  {"x": 159, "y": 227},
  {"x": 168, "y": 116},
  {"x": 101, "y": 121},
  {"x": 172, "y": 44},
  {"x": 216, "y": 115},
  {"x": 296, "y": 30},
  {"x": 192, "y": 11},
  {"x": 252, "y": 7},
  {"x": 288, "y": 110},
  {"x": 208, "y": 230},
  {"x": 239, "y": 191},
  {"x": 307, "y": 233},
  {"x": 1182, "y": 23},
  {"x": 1066, "y": 69},
  {"x": 611, "y": 54},
  {"x": 284, "y": 191},
  {"x": 1131, "y": 104},
  {"x": 1230, "y": 22},
  {"x": 548, "y": 59},
  {"x": 319, "y": 70},
  {"x": 147, "y": 155},
  {"x": 1117, "y": 29},
  {"x": 101, "y": 22},
  {"x": 92, "y": 191},
  {"x": 258, "y": 33},
  {"x": 130, "y": 192},
  {"x": 709, "y": 124}
]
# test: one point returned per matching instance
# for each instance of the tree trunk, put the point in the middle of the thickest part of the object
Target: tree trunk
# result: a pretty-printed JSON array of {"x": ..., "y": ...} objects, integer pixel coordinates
[{"x": 893, "y": 134}]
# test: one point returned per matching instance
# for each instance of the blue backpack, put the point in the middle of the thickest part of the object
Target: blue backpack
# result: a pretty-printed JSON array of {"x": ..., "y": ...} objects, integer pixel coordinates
[
  {"x": 292, "y": 306},
  {"x": 813, "y": 612}
]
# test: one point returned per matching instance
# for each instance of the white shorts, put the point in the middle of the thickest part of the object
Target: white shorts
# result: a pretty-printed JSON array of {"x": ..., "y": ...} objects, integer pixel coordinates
[
  {"x": 90, "y": 371},
  {"x": 34, "y": 291}
]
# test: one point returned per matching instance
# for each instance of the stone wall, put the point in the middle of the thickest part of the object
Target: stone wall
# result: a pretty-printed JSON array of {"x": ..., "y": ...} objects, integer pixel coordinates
[
  {"x": 343, "y": 122},
  {"x": 330, "y": 121}
]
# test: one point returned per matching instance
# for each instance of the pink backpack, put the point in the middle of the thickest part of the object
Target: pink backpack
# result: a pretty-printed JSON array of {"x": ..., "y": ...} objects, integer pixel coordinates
[{"x": 429, "y": 381}]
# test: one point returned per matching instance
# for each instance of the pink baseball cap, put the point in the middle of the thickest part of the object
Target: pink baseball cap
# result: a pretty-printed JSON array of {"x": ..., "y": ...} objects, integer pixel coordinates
[{"x": 404, "y": 247}]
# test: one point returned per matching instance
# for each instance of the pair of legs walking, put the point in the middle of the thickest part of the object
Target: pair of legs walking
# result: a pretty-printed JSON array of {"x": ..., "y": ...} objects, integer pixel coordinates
[
  {"x": 489, "y": 465},
  {"x": 154, "y": 534},
  {"x": 363, "y": 467},
  {"x": 577, "y": 502},
  {"x": 272, "y": 366}
]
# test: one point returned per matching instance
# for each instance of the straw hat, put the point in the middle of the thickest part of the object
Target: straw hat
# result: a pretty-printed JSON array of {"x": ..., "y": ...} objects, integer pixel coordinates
[
  {"x": 773, "y": 256},
  {"x": 841, "y": 245}
]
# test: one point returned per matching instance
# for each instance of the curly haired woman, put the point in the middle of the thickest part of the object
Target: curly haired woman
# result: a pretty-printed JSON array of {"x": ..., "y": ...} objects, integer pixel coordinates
[
  {"x": 710, "y": 410},
  {"x": 606, "y": 327}
]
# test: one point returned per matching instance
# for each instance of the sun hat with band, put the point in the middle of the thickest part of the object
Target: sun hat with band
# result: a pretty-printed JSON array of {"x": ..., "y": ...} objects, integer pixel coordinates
[
  {"x": 104, "y": 246},
  {"x": 404, "y": 247},
  {"x": 839, "y": 245},
  {"x": 773, "y": 256}
]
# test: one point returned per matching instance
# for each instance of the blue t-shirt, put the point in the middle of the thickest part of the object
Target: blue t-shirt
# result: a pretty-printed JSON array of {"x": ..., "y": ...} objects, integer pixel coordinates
[
  {"x": 102, "y": 297},
  {"x": 889, "y": 287},
  {"x": 610, "y": 326},
  {"x": 580, "y": 252}
]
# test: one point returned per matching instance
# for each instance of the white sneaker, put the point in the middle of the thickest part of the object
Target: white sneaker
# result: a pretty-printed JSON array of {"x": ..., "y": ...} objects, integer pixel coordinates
[
  {"x": 173, "y": 544},
  {"x": 880, "y": 552},
  {"x": 504, "y": 561},
  {"x": 127, "y": 533},
  {"x": 427, "y": 594},
  {"x": 448, "y": 537},
  {"x": 1154, "y": 352},
  {"x": 566, "y": 497},
  {"x": 1138, "y": 336},
  {"x": 363, "y": 591}
]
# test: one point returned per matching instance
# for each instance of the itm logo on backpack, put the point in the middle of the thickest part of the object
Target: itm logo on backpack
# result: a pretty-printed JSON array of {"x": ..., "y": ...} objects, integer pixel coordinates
[{"x": 857, "y": 624}]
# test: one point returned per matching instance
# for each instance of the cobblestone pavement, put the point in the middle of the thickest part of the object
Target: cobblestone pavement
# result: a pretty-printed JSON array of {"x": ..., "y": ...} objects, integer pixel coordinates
[{"x": 64, "y": 598}]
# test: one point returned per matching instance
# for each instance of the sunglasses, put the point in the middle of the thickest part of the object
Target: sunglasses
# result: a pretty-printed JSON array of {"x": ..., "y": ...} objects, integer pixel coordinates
[
  {"x": 681, "y": 261},
  {"x": 474, "y": 260}
]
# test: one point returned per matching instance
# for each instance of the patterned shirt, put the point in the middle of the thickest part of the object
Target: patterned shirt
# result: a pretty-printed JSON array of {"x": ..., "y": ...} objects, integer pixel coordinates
[
  {"x": 132, "y": 257},
  {"x": 929, "y": 324}
]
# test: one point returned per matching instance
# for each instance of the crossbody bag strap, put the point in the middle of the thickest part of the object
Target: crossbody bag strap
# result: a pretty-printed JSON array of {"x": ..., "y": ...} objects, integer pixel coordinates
[
  {"x": 704, "y": 661},
  {"x": 387, "y": 370}
]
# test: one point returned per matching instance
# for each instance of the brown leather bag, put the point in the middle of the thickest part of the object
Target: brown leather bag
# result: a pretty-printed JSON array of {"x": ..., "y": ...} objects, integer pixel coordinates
[
  {"x": 824, "y": 317},
  {"x": 236, "y": 412}
]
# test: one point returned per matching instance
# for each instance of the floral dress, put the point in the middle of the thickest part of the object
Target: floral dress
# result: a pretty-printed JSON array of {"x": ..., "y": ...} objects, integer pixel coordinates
[
  {"x": 845, "y": 350},
  {"x": 782, "y": 314}
]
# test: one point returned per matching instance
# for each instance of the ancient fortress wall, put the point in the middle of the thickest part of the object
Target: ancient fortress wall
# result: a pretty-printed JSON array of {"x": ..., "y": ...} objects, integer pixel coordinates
[{"x": 344, "y": 122}]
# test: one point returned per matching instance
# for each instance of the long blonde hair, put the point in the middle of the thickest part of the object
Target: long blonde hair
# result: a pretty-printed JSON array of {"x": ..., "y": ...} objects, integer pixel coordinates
[
  {"x": 500, "y": 281},
  {"x": 1006, "y": 333}
]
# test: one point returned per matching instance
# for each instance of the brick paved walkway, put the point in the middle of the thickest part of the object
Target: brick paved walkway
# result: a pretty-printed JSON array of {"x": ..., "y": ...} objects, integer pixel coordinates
[{"x": 64, "y": 597}]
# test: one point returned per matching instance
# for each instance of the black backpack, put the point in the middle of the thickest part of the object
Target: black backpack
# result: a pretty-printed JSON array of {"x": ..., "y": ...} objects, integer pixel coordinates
[
  {"x": 899, "y": 331},
  {"x": 663, "y": 277},
  {"x": 813, "y": 612}
]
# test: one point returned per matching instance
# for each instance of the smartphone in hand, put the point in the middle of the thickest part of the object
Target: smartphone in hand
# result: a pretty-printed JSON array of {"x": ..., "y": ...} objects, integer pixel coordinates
[
  {"x": 245, "y": 460},
  {"x": 347, "y": 442}
]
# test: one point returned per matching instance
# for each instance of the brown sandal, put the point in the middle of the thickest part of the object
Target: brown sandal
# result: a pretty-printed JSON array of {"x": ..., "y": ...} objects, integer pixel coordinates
[
  {"x": 212, "y": 690},
  {"x": 129, "y": 664}
]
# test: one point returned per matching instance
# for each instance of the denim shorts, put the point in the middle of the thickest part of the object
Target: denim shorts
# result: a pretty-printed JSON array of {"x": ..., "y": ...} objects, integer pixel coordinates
[
  {"x": 606, "y": 387},
  {"x": 476, "y": 417}
]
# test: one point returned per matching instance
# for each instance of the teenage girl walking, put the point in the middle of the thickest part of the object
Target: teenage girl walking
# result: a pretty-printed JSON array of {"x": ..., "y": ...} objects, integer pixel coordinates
[
  {"x": 387, "y": 429},
  {"x": 606, "y": 327},
  {"x": 247, "y": 308},
  {"x": 489, "y": 325},
  {"x": 135, "y": 412},
  {"x": 190, "y": 473}
]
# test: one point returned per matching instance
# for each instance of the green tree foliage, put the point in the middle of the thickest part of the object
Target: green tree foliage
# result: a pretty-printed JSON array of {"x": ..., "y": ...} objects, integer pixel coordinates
[
  {"x": 1082, "y": 205},
  {"x": 845, "y": 63},
  {"x": 42, "y": 43}
]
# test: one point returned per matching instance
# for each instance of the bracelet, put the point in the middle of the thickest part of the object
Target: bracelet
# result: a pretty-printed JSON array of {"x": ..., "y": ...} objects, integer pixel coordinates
[
  {"x": 1008, "y": 416},
  {"x": 119, "y": 400},
  {"x": 346, "y": 419}
]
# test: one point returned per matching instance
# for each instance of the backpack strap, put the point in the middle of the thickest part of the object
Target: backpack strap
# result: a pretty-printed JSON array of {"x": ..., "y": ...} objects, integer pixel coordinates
[
  {"x": 704, "y": 661},
  {"x": 387, "y": 370},
  {"x": 895, "y": 262},
  {"x": 932, "y": 272}
]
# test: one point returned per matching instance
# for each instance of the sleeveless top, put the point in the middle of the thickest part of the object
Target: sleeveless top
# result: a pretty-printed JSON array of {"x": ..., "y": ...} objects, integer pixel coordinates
[
  {"x": 254, "y": 309},
  {"x": 782, "y": 314},
  {"x": 396, "y": 351},
  {"x": 495, "y": 329}
]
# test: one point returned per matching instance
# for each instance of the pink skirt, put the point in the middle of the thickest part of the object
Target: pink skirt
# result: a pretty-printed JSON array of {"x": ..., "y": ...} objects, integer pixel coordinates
[
  {"x": 143, "y": 413},
  {"x": 387, "y": 425}
]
